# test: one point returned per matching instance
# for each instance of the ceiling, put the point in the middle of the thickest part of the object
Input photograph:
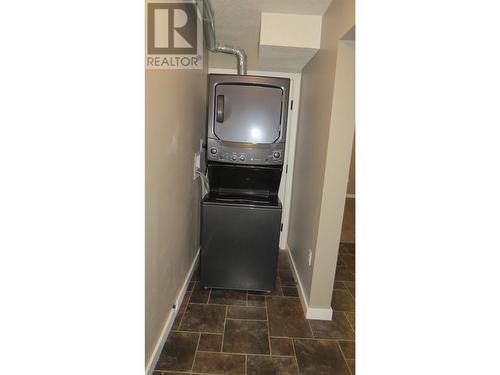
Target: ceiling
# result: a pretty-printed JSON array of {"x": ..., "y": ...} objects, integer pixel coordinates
[{"x": 238, "y": 22}]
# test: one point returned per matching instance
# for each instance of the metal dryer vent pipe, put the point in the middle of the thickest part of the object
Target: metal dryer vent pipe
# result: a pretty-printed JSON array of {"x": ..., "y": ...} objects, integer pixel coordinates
[{"x": 214, "y": 46}]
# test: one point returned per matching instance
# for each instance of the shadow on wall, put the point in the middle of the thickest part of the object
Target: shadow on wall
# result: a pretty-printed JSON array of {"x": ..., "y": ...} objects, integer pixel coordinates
[{"x": 351, "y": 185}]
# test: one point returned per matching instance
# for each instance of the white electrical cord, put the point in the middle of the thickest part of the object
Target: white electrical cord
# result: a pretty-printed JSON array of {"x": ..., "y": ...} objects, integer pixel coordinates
[{"x": 204, "y": 183}]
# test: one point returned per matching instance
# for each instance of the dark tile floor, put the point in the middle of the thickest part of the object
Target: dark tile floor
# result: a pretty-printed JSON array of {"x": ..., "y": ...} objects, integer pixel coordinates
[{"x": 238, "y": 332}]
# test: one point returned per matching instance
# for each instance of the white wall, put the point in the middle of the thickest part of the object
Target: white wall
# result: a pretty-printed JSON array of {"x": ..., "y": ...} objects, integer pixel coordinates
[
  {"x": 175, "y": 123},
  {"x": 338, "y": 160},
  {"x": 290, "y": 30},
  {"x": 313, "y": 143}
]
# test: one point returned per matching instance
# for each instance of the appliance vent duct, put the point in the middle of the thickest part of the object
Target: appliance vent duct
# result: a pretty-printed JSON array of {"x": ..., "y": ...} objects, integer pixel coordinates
[{"x": 214, "y": 46}]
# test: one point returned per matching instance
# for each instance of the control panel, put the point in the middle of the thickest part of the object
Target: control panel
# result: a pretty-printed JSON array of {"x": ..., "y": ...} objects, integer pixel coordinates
[{"x": 228, "y": 152}]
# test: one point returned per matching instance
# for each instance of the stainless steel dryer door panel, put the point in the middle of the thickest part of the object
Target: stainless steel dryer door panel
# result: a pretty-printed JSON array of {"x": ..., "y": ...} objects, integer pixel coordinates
[{"x": 248, "y": 113}]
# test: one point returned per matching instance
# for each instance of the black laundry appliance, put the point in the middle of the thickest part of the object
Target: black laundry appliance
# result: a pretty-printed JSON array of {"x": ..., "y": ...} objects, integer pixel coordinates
[{"x": 241, "y": 214}]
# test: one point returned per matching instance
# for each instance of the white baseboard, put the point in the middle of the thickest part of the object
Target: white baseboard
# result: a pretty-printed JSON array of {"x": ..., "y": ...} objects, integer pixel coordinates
[
  {"x": 309, "y": 312},
  {"x": 171, "y": 317},
  {"x": 319, "y": 313},
  {"x": 350, "y": 195}
]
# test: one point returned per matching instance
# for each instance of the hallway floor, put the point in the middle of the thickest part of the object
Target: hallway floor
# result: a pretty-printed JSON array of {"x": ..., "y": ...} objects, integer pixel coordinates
[{"x": 238, "y": 332}]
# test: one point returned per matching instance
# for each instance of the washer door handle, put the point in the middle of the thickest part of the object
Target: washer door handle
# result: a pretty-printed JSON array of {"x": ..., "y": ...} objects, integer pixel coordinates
[{"x": 220, "y": 108}]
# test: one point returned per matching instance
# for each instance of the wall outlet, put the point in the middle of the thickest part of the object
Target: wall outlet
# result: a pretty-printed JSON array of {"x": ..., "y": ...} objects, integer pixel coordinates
[{"x": 310, "y": 257}]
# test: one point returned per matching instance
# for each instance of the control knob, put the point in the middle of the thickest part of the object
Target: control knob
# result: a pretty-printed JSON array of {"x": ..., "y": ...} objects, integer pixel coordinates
[
  {"x": 213, "y": 150},
  {"x": 276, "y": 155},
  {"x": 242, "y": 157},
  {"x": 234, "y": 157}
]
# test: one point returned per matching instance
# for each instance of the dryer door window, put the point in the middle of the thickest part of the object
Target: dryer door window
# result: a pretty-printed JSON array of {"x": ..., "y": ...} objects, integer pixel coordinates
[{"x": 248, "y": 113}]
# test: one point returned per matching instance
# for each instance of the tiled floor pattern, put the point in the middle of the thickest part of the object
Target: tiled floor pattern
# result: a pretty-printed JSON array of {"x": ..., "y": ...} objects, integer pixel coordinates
[{"x": 246, "y": 333}]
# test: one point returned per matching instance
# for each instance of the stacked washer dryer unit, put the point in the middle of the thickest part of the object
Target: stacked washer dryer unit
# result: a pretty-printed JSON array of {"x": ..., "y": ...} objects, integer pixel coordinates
[{"x": 241, "y": 214}]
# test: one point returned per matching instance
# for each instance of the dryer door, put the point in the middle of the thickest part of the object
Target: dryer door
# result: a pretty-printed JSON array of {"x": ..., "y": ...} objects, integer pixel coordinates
[{"x": 248, "y": 113}]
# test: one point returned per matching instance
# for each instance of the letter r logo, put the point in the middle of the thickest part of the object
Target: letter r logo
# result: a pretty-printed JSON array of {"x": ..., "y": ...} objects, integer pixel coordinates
[{"x": 172, "y": 28}]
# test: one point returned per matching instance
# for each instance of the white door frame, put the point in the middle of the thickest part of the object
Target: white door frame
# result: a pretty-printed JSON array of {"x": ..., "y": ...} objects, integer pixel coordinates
[{"x": 291, "y": 136}]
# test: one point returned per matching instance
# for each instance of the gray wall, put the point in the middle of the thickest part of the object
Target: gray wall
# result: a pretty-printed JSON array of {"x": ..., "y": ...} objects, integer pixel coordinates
[
  {"x": 351, "y": 186},
  {"x": 175, "y": 123},
  {"x": 316, "y": 99},
  {"x": 335, "y": 178}
]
